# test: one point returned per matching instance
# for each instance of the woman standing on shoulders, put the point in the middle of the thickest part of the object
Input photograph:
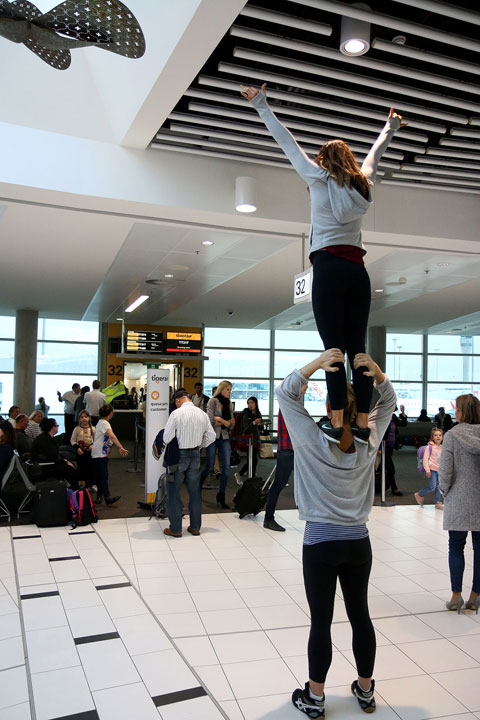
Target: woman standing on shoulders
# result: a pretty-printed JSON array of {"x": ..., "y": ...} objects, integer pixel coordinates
[
  {"x": 459, "y": 475},
  {"x": 220, "y": 412},
  {"x": 340, "y": 195}
]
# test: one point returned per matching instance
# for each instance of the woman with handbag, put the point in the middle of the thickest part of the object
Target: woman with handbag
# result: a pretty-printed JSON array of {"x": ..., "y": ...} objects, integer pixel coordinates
[
  {"x": 249, "y": 426},
  {"x": 220, "y": 412}
]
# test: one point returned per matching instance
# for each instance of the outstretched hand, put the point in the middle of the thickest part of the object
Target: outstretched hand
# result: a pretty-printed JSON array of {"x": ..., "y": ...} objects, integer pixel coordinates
[
  {"x": 328, "y": 358},
  {"x": 364, "y": 360},
  {"x": 393, "y": 114},
  {"x": 249, "y": 92}
]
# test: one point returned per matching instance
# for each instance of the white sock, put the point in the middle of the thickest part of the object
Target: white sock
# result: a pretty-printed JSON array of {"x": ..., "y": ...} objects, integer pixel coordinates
[
  {"x": 318, "y": 698},
  {"x": 364, "y": 691}
]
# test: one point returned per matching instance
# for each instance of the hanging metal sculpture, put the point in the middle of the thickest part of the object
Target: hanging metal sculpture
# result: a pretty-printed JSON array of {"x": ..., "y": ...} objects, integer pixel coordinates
[{"x": 106, "y": 24}]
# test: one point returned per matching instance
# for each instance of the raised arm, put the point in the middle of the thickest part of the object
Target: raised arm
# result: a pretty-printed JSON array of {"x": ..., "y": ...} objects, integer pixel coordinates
[
  {"x": 370, "y": 164},
  {"x": 306, "y": 168}
]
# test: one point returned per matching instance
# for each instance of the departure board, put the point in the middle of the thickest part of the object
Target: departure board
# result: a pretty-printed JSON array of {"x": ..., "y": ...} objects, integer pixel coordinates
[
  {"x": 143, "y": 341},
  {"x": 189, "y": 343}
]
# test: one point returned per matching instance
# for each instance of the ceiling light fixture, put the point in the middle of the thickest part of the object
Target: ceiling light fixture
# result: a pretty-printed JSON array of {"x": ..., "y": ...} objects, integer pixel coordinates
[
  {"x": 355, "y": 34},
  {"x": 168, "y": 275},
  {"x": 245, "y": 191},
  {"x": 380, "y": 290},
  {"x": 136, "y": 303},
  {"x": 443, "y": 264},
  {"x": 208, "y": 242},
  {"x": 394, "y": 23}
]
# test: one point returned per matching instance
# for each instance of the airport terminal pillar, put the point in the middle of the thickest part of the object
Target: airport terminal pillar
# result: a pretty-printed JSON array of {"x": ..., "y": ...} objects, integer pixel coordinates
[
  {"x": 25, "y": 368},
  {"x": 377, "y": 344}
]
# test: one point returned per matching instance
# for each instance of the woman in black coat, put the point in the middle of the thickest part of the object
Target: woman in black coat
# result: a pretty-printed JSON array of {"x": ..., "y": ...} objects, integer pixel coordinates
[
  {"x": 249, "y": 425},
  {"x": 46, "y": 450}
]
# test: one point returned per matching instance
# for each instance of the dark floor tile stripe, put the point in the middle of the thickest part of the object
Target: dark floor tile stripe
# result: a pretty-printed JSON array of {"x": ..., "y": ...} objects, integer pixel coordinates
[
  {"x": 25, "y": 537},
  {"x": 113, "y": 585},
  {"x": 68, "y": 557},
  {"x": 97, "y": 638},
  {"x": 87, "y": 715},
  {"x": 29, "y": 596},
  {"x": 83, "y": 532},
  {"x": 179, "y": 696}
]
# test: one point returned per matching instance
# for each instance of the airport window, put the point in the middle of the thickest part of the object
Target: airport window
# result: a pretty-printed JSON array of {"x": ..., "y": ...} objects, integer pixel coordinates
[
  {"x": 404, "y": 367},
  {"x": 60, "y": 364},
  {"x": 242, "y": 389},
  {"x": 241, "y": 363},
  {"x": 410, "y": 395},
  {"x": 298, "y": 340},
  {"x": 456, "y": 344},
  {"x": 236, "y": 338},
  {"x": 444, "y": 394},
  {"x": 7, "y": 355},
  {"x": 401, "y": 342},
  {"x": 285, "y": 362}
]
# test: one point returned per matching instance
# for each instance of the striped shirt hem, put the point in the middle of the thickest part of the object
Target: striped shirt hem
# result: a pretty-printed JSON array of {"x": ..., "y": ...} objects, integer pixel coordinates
[{"x": 317, "y": 532}]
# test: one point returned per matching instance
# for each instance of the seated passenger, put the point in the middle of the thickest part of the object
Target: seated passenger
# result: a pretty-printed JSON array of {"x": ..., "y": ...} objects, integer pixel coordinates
[
  {"x": 7, "y": 445},
  {"x": 423, "y": 417},
  {"x": 46, "y": 450},
  {"x": 33, "y": 428},
  {"x": 24, "y": 442}
]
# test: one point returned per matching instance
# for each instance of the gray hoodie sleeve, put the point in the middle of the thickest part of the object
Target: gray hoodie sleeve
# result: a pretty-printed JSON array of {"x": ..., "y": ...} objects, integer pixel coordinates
[
  {"x": 301, "y": 427},
  {"x": 306, "y": 168},
  {"x": 445, "y": 469},
  {"x": 370, "y": 164}
]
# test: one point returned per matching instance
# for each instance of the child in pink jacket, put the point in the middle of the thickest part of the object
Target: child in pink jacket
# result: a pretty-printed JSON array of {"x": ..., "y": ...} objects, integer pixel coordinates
[{"x": 431, "y": 461}]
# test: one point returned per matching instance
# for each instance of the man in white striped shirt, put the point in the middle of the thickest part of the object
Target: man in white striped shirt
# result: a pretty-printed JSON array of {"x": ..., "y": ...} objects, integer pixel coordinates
[{"x": 193, "y": 430}]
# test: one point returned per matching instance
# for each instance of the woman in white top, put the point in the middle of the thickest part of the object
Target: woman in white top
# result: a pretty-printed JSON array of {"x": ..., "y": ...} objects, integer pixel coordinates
[
  {"x": 33, "y": 429},
  {"x": 102, "y": 445}
]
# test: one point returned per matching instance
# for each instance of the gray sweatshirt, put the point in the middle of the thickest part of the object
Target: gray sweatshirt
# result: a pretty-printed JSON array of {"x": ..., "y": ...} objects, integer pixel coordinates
[
  {"x": 332, "y": 486},
  {"x": 336, "y": 212},
  {"x": 459, "y": 477}
]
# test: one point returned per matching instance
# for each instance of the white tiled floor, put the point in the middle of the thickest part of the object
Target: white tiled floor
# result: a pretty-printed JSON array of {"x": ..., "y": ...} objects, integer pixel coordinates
[{"x": 226, "y": 610}]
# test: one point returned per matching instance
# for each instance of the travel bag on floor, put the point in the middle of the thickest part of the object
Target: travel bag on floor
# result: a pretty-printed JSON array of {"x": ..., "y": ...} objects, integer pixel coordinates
[
  {"x": 251, "y": 497},
  {"x": 81, "y": 507},
  {"x": 50, "y": 504}
]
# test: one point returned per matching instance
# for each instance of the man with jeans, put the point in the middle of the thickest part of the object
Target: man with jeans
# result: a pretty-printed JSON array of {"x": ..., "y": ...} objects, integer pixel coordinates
[
  {"x": 193, "y": 430},
  {"x": 282, "y": 473}
]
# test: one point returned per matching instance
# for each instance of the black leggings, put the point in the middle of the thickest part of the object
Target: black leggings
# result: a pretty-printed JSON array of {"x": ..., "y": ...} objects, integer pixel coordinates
[
  {"x": 350, "y": 561},
  {"x": 341, "y": 304}
]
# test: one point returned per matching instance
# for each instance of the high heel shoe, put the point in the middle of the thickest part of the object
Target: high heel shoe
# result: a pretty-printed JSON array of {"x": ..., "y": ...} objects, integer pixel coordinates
[
  {"x": 455, "y": 604},
  {"x": 473, "y": 604},
  {"x": 221, "y": 501}
]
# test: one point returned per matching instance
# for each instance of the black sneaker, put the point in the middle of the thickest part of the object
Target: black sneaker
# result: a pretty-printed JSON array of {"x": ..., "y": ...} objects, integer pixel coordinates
[
  {"x": 333, "y": 434},
  {"x": 273, "y": 525},
  {"x": 361, "y": 434},
  {"x": 303, "y": 702},
  {"x": 365, "y": 699}
]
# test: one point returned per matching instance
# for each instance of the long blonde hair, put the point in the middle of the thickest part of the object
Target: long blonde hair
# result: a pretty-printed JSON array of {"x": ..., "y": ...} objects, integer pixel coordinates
[
  {"x": 221, "y": 386},
  {"x": 469, "y": 408},
  {"x": 339, "y": 161},
  {"x": 350, "y": 409}
]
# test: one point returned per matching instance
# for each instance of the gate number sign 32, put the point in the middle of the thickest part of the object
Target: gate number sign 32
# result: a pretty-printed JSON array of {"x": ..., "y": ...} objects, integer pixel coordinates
[{"x": 302, "y": 287}]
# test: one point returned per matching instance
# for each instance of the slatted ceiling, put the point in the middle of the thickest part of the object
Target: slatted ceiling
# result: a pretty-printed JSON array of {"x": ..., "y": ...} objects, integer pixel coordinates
[{"x": 320, "y": 93}]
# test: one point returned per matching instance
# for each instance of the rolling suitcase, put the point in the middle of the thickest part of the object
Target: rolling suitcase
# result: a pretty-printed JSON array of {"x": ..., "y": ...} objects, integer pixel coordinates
[
  {"x": 251, "y": 497},
  {"x": 50, "y": 505}
]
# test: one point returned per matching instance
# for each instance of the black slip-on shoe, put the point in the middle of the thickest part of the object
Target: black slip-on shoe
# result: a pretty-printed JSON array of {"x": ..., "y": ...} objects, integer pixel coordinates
[
  {"x": 360, "y": 434},
  {"x": 332, "y": 433},
  {"x": 303, "y": 702},
  {"x": 273, "y": 525}
]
